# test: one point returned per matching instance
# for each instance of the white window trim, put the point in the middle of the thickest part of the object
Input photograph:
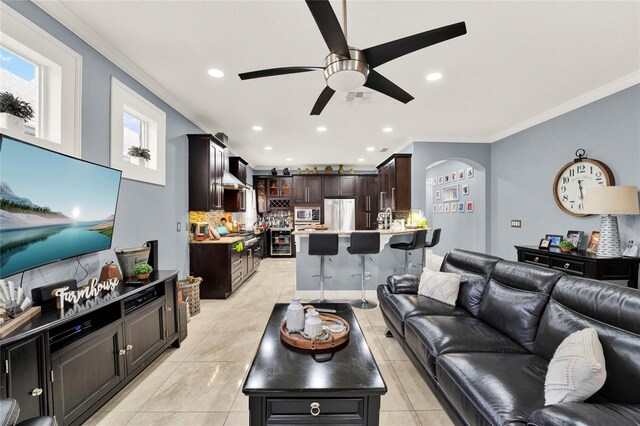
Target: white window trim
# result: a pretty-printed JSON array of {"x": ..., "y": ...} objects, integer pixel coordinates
[
  {"x": 65, "y": 65},
  {"x": 124, "y": 98}
]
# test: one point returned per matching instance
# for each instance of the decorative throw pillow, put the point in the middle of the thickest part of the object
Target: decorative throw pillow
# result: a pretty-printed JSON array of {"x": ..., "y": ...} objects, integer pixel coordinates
[
  {"x": 442, "y": 286},
  {"x": 577, "y": 369}
]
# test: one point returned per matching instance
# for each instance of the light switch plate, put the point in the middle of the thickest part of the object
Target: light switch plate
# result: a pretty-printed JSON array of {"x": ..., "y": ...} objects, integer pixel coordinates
[{"x": 516, "y": 223}]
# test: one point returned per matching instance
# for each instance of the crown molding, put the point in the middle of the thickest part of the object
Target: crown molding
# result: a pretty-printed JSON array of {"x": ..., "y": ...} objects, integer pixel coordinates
[
  {"x": 76, "y": 25},
  {"x": 582, "y": 100}
]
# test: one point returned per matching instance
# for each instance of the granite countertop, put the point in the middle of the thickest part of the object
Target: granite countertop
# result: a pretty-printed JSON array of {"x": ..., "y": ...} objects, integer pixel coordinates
[
  {"x": 222, "y": 240},
  {"x": 347, "y": 233}
]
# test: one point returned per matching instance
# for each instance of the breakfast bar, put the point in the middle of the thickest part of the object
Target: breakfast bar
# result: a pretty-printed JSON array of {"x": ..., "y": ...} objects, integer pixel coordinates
[{"x": 344, "y": 268}]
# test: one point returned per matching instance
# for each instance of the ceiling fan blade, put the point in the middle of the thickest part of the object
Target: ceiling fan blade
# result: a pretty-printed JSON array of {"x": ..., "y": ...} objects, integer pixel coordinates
[
  {"x": 329, "y": 26},
  {"x": 323, "y": 100},
  {"x": 277, "y": 71},
  {"x": 380, "y": 84},
  {"x": 382, "y": 53}
]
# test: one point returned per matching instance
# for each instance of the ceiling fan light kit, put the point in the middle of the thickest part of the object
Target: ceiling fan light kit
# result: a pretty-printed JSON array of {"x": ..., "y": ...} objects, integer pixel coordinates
[{"x": 346, "y": 68}]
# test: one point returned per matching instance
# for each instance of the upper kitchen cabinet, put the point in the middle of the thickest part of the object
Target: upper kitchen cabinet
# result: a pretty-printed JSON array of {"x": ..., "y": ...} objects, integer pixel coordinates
[
  {"x": 307, "y": 190},
  {"x": 260, "y": 184},
  {"x": 339, "y": 186},
  {"x": 367, "y": 202},
  {"x": 238, "y": 168},
  {"x": 279, "y": 193},
  {"x": 394, "y": 183},
  {"x": 235, "y": 200},
  {"x": 206, "y": 169}
]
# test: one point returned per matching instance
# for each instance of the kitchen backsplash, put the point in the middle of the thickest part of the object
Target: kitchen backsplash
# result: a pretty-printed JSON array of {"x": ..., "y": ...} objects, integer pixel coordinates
[{"x": 213, "y": 218}]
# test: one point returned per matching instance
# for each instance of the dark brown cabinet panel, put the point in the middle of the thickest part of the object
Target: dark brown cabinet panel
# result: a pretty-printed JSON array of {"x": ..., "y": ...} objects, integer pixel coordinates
[
  {"x": 238, "y": 168},
  {"x": 394, "y": 181},
  {"x": 144, "y": 334},
  {"x": 235, "y": 200},
  {"x": 307, "y": 190},
  {"x": 25, "y": 377},
  {"x": 367, "y": 202},
  {"x": 171, "y": 308},
  {"x": 339, "y": 186},
  {"x": 279, "y": 193},
  {"x": 86, "y": 371},
  {"x": 261, "y": 194},
  {"x": 206, "y": 168}
]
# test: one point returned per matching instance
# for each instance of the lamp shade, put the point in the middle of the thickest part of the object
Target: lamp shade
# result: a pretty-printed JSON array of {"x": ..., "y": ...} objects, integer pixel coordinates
[{"x": 614, "y": 200}]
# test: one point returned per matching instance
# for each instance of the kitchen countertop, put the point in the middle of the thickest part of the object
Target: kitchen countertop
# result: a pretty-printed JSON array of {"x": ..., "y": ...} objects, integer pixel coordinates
[
  {"x": 348, "y": 233},
  {"x": 222, "y": 240}
]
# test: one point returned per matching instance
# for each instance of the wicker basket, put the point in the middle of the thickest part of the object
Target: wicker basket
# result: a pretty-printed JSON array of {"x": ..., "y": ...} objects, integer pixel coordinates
[{"x": 190, "y": 288}]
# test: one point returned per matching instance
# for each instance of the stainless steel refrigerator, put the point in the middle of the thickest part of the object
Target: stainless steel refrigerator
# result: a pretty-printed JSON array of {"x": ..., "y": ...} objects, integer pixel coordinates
[{"x": 340, "y": 214}]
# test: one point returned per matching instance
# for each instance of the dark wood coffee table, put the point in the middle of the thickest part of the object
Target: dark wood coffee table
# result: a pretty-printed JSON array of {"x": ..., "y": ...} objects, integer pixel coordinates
[{"x": 288, "y": 386}]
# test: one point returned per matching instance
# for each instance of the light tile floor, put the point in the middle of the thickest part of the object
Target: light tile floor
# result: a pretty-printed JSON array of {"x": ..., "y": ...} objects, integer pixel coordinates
[{"x": 200, "y": 383}]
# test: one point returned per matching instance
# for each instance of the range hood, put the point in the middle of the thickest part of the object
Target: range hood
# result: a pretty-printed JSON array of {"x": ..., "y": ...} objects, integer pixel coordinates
[{"x": 229, "y": 181}]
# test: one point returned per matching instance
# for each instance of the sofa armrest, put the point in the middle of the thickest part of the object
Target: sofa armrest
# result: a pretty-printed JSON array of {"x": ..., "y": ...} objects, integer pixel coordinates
[
  {"x": 586, "y": 414},
  {"x": 403, "y": 284}
]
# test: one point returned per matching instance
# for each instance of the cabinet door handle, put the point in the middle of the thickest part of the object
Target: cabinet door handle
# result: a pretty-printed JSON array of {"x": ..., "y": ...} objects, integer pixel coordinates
[
  {"x": 36, "y": 392},
  {"x": 393, "y": 198},
  {"x": 129, "y": 347},
  {"x": 168, "y": 308},
  {"x": 315, "y": 408},
  {"x": 122, "y": 352},
  {"x": 566, "y": 265},
  {"x": 536, "y": 259}
]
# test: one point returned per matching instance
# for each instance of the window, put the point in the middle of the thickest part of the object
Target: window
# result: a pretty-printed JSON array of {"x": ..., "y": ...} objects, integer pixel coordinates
[
  {"x": 41, "y": 70},
  {"x": 136, "y": 122}
]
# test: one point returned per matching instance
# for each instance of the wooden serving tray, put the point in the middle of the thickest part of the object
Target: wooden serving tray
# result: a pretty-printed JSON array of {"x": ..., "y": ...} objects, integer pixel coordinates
[
  {"x": 335, "y": 339},
  {"x": 13, "y": 324}
]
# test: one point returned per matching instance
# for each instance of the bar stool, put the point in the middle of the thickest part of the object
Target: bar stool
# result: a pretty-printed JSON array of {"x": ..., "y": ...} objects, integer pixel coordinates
[
  {"x": 364, "y": 243},
  {"x": 322, "y": 245},
  {"x": 416, "y": 243},
  {"x": 435, "y": 239}
]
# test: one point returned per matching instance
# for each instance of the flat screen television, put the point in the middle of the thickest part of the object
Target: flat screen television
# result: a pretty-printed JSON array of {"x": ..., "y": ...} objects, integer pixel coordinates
[{"x": 52, "y": 206}]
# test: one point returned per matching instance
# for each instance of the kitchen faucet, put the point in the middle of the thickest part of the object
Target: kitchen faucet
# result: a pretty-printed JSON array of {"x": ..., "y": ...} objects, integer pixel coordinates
[{"x": 388, "y": 218}]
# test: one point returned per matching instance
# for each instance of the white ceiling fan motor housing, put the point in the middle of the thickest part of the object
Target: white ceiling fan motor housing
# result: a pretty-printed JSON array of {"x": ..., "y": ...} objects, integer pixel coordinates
[{"x": 344, "y": 74}]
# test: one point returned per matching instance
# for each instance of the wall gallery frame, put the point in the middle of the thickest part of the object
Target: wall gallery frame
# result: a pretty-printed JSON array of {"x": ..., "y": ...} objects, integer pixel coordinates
[
  {"x": 460, "y": 174},
  {"x": 438, "y": 195},
  {"x": 450, "y": 193},
  {"x": 454, "y": 207},
  {"x": 470, "y": 172},
  {"x": 440, "y": 180},
  {"x": 465, "y": 189},
  {"x": 435, "y": 208},
  {"x": 460, "y": 207},
  {"x": 447, "y": 207},
  {"x": 454, "y": 176},
  {"x": 440, "y": 208},
  {"x": 469, "y": 206}
]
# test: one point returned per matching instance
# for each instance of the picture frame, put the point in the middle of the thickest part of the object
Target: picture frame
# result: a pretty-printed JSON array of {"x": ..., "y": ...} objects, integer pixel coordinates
[
  {"x": 465, "y": 189},
  {"x": 554, "y": 240},
  {"x": 435, "y": 208},
  {"x": 544, "y": 244},
  {"x": 460, "y": 207},
  {"x": 460, "y": 174},
  {"x": 450, "y": 193},
  {"x": 447, "y": 178},
  {"x": 440, "y": 180},
  {"x": 469, "y": 206},
  {"x": 440, "y": 208},
  {"x": 447, "y": 208},
  {"x": 454, "y": 207},
  {"x": 438, "y": 195},
  {"x": 594, "y": 240},
  {"x": 470, "y": 172},
  {"x": 453, "y": 176},
  {"x": 575, "y": 237}
]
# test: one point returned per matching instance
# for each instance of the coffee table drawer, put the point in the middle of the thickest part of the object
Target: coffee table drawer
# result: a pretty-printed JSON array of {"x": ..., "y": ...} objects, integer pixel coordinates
[
  {"x": 536, "y": 259},
  {"x": 330, "y": 411},
  {"x": 569, "y": 266}
]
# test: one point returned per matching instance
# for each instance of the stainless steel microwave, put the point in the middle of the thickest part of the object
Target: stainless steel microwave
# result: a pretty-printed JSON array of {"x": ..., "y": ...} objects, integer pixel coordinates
[{"x": 307, "y": 214}]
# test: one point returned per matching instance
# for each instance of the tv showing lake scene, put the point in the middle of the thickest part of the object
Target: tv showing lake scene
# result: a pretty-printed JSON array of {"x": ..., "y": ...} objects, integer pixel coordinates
[{"x": 52, "y": 206}]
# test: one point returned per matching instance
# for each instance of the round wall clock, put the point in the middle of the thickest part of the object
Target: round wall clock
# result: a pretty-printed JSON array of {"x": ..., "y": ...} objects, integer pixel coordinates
[{"x": 574, "y": 177}]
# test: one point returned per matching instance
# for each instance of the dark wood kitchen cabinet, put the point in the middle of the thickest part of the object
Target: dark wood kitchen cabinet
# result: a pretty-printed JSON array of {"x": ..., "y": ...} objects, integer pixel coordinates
[
  {"x": 206, "y": 168},
  {"x": 307, "y": 190},
  {"x": 394, "y": 183},
  {"x": 339, "y": 186},
  {"x": 26, "y": 378},
  {"x": 260, "y": 185},
  {"x": 279, "y": 193},
  {"x": 367, "y": 202},
  {"x": 238, "y": 168},
  {"x": 235, "y": 200}
]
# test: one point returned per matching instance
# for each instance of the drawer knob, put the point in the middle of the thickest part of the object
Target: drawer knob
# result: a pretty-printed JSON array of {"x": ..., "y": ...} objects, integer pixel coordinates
[
  {"x": 566, "y": 266},
  {"x": 36, "y": 392},
  {"x": 122, "y": 352},
  {"x": 315, "y": 408},
  {"x": 536, "y": 259},
  {"x": 129, "y": 347}
]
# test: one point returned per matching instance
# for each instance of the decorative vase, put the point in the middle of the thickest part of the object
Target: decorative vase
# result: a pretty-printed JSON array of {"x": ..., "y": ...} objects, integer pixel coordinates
[
  {"x": 299, "y": 171},
  {"x": 313, "y": 323},
  {"x": 286, "y": 171},
  {"x": 315, "y": 170},
  {"x": 306, "y": 171},
  {"x": 109, "y": 271},
  {"x": 328, "y": 170},
  {"x": 142, "y": 276},
  {"x": 295, "y": 315},
  {"x": 274, "y": 172},
  {"x": 11, "y": 122},
  {"x": 352, "y": 172},
  {"x": 340, "y": 169}
]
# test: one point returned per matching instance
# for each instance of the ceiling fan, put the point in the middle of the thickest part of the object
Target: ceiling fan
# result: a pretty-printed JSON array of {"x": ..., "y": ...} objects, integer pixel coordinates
[{"x": 347, "y": 68}]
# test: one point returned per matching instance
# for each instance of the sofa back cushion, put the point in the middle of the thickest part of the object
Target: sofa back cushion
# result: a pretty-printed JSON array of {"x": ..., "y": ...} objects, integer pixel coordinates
[
  {"x": 474, "y": 268},
  {"x": 614, "y": 312},
  {"x": 515, "y": 300}
]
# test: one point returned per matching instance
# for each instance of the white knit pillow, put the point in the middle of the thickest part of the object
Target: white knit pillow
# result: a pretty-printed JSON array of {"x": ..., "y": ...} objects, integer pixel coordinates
[
  {"x": 577, "y": 369},
  {"x": 442, "y": 286}
]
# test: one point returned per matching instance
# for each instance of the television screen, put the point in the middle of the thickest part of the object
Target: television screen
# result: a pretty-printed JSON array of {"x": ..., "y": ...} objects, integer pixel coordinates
[{"x": 52, "y": 206}]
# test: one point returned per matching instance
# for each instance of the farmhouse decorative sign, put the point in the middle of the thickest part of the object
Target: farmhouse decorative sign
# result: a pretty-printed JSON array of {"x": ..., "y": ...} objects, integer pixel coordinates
[{"x": 91, "y": 290}]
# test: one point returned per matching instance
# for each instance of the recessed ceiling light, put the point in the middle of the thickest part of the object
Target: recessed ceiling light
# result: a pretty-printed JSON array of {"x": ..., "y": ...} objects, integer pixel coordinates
[
  {"x": 216, "y": 73},
  {"x": 361, "y": 159},
  {"x": 289, "y": 159},
  {"x": 321, "y": 129},
  {"x": 387, "y": 129},
  {"x": 434, "y": 76},
  {"x": 268, "y": 148},
  {"x": 371, "y": 149},
  {"x": 257, "y": 128}
]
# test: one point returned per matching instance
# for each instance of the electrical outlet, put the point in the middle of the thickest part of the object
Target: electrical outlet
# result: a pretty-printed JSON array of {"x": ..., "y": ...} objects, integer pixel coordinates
[
  {"x": 179, "y": 227},
  {"x": 516, "y": 223}
]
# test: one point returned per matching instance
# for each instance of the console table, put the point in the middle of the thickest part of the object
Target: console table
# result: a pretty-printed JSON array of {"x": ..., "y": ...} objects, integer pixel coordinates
[{"x": 583, "y": 263}]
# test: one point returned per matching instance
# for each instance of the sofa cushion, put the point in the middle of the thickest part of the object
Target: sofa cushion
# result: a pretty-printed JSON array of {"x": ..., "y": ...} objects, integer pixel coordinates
[
  {"x": 578, "y": 414},
  {"x": 475, "y": 269},
  {"x": 399, "y": 307},
  {"x": 430, "y": 337},
  {"x": 441, "y": 286},
  {"x": 403, "y": 284},
  {"x": 614, "y": 312},
  {"x": 493, "y": 389}
]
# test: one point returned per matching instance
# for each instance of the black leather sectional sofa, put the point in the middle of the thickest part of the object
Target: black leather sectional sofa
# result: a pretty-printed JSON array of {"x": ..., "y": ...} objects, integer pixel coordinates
[{"x": 486, "y": 358}]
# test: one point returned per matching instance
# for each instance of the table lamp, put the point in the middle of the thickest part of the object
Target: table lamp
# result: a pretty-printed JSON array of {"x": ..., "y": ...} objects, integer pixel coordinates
[{"x": 610, "y": 201}]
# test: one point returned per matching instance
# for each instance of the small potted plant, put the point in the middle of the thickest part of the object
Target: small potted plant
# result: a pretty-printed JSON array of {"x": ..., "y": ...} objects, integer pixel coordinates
[
  {"x": 142, "y": 271},
  {"x": 566, "y": 246},
  {"x": 14, "y": 112},
  {"x": 136, "y": 152}
]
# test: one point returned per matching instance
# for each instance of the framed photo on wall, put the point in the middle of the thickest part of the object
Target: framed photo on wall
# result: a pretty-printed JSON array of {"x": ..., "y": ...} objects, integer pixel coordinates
[
  {"x": 454, "y": 207},
  {"x": 465, "y": 189},
  {"x": 447, "y": 208},
  {"x": 460, "y": 207},
  {"x": 469, "y": 206},
  {"x": 454, "y": 176},
  {"x": 438, "y": 195},
  {"x": 470, "y": 172},
  {"x": 460, "y": 174},
  {"x": 440, "y": 180},
  {"x": 450, "y": 193},
  {"x": 554, "y": 239},
  {"x": 594, "y": 240},
  {"x": 447, "y": 177},
  {"x": 435, "y": 208},
  {"x": 440, "y": 208}
]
